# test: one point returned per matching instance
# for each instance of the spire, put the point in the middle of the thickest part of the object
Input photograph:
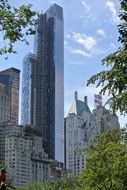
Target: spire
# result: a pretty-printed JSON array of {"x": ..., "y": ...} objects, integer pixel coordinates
[
  {"x": 76, "y": 95},
  {"x": 86, "y": 99}
]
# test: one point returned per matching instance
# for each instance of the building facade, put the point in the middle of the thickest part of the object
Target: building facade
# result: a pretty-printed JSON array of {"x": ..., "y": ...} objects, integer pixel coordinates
[
  {"x": 81, "y": 127},
  {"x": 48, "y": 104},
  {"x": 4, "y": 105},
  {"x": 25, "y": 158},
  {"x": 10, "y": 78},
  {"x": 2, "y": 142},
  {"x": 4, "y": 117},
  {"x": 28, "y": 90},
  {"x": 106, "y": 121}
]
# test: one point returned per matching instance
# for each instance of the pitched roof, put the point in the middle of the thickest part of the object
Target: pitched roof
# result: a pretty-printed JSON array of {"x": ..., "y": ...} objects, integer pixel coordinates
[{"x": 78, "y": 107}]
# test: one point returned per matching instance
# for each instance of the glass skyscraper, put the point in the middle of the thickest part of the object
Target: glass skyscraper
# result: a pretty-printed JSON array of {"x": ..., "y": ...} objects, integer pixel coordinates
[
  {"x": 55, "y": 17},
  {"x": 48, "y": 94},
  {"x": 11, "y": 78},
  {"x": 28, "y": 89}
]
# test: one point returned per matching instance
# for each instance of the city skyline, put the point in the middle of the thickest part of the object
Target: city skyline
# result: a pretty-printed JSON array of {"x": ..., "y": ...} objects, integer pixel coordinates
[{"x": 90, "y": 35}]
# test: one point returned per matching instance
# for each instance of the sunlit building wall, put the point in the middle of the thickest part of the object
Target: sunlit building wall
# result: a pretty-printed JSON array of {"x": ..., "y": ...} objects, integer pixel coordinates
[
  {"x": 49, "y": 53},
  {"x": 11, "y": 78},
  {"x": 25, "y": 158},
  {"x": 28, "y": 95}
]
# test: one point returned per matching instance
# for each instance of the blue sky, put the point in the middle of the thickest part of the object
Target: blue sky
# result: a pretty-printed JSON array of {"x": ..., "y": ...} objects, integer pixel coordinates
[{"x": 90, "y": 34}]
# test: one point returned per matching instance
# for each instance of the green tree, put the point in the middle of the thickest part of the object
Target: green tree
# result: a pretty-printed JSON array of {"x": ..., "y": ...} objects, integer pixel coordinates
[
  {"x": 61, "y": 184},
  {"x": 114, "y": 79},
  {"x": 32, "y": 186},
  {"x": 15, "y": 24},
  {"x": 106, "y": 167},
  {"x": 58, "y": 184},
  {"x": 2, "y": 165}
]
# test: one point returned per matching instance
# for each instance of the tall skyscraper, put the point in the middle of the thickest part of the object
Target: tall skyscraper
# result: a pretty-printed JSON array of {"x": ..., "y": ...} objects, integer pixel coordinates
[
  {"x": 10, "y": 78},
  {"x": 48, "y": 104},
  {"x": 28, "y": 90}
]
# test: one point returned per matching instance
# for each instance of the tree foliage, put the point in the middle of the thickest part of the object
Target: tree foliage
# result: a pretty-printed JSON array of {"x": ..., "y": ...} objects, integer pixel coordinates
[
  {"x": 114, "y": 80},
  {"x": 32, "y": 186},
  {"x": 15, "y": 24},
  {"x": 106, "y": 167},
  {"x": 59, "y": 184}
]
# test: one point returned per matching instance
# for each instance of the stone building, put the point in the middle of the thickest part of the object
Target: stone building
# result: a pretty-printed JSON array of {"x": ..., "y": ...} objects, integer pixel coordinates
[
  {"x": 25, "y": 158},
  {"x": 81, "y": 127},
  {"x": 106, "y": 120},
  {"x": 80, "y": 130}
]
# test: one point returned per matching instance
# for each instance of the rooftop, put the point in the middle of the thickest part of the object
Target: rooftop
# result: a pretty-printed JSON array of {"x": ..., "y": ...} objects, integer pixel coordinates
[{"x": 78, "y": 106}]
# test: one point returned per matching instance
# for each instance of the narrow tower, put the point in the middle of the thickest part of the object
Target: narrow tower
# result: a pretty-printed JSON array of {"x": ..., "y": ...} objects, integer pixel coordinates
[{"x": 48, "y": 82}]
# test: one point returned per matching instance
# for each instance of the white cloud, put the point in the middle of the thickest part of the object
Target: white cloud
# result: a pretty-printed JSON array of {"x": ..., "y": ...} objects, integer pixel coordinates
[
  {"x": 98, "y": 51},
  {"x": 88, "y": 15},
  {"x": 77, "y": 62},
  {"x": 88, "y": 45},
  {"x": 101, "y": 32},
  {"x": 88, "y": 42},
  {"x": 86, "y": 6},
  {"x": 81, "y": 52},
  {"x": 111, "y": 5}
]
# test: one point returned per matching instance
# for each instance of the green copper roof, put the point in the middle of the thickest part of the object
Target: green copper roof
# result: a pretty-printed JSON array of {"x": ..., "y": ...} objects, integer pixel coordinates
[{"x": 78, "y": 107}]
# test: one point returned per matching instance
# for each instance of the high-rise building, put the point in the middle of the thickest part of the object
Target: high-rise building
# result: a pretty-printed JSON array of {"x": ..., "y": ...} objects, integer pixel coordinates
[
  {"x": 28, "y": 90},
  {"x": 82, "y": 126},
  {"x": 4, "y": 105},
  {"x": 48, "y": 104},
  {"x": 105, "y": 119},
  {"x": 25, "y": 158},
  {"x": 50, "y": 81},
  {"x": 10, "y": 78},
  {"x": 4, "y": 117}
]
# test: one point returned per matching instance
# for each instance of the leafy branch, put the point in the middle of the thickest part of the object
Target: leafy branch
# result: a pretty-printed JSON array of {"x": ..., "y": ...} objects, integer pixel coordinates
[
  {"x": 15, "y": 24},
  {"x": 114, "y": 80}
]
